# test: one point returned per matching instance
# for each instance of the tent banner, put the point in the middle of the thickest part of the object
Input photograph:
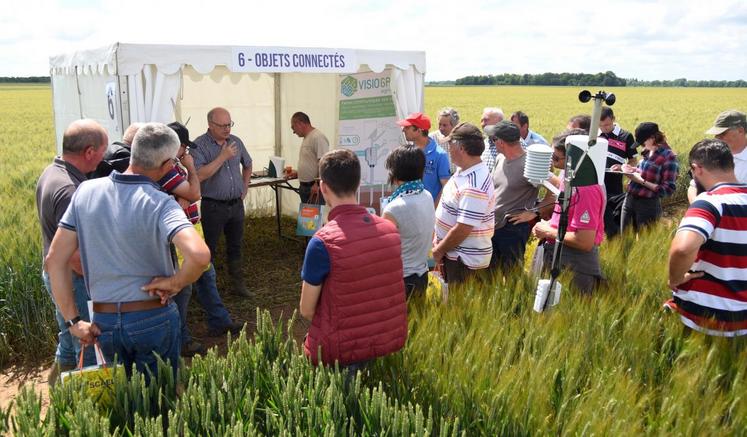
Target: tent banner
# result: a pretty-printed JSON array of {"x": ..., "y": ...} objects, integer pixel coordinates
[
  {"x": 292, "y": 60},
  {"x": 367, "y": 122}
]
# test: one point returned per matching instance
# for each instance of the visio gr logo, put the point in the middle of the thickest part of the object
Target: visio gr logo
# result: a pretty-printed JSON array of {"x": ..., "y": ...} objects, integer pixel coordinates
[{"x": 349, "y": 86}]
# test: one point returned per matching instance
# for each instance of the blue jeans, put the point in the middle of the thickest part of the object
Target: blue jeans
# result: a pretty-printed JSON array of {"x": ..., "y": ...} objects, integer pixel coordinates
[
  {"x": 182, "y": 303},
  {"x": 207, "y": 295},
  {"x": 509, "y": 243},
  {"x": 136, "y": 337},
  {"x": 68, "y": 346}
]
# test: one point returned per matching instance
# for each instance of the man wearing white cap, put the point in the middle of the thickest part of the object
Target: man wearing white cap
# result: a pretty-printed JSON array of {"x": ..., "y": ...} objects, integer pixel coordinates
[{"x": 730, "y": 127}]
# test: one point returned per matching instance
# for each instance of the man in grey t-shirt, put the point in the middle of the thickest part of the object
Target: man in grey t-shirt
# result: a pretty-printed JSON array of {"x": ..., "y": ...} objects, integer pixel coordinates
[
  {"x": 83, "y": 147},
  {"x": 131, "y": 282},
  {"x": 225, "y": 170},
  {"x": 313, "y": 147},
  {"x": 513, "y": 195}
]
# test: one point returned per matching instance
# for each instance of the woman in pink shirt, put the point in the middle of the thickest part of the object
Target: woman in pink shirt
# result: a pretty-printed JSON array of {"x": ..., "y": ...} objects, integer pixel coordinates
[{"x": 585, "y": 230}]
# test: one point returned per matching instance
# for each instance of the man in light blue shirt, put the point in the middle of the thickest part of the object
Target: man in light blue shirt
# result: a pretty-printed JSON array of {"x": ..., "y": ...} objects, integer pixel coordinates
[
  {"x": 415, "y": 128},
  {"x": 528, "y": 137}
]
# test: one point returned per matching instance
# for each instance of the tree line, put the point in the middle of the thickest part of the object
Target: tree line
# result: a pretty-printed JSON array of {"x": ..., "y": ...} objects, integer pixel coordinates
[
  {"x": 607, "y": 79},
  {"x": 29, "y": 79}
]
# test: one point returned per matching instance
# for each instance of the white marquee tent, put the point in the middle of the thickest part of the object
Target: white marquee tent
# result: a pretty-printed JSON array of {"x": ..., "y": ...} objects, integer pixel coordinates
[{"x": 261, "y": 87}]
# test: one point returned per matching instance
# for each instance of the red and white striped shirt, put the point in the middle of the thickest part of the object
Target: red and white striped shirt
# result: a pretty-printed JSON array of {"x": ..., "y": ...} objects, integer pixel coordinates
[{"x": 716, "y": 303}]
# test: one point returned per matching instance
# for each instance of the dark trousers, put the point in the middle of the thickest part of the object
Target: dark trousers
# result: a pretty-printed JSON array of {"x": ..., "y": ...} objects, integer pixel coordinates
[
  {"x": 219, "y": 217},
  {"x": 456, "y": 272},
  {"x": 612, "y": 214},
  {"x": 641, "y": 211},
  {"x": 416, "y": 284},
  {"x": 509, "y": 244},
  {"x": 304, "y": 192}
]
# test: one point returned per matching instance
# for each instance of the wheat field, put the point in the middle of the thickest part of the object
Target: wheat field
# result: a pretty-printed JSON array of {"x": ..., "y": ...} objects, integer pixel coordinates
[{"x": 483, "y": 364}]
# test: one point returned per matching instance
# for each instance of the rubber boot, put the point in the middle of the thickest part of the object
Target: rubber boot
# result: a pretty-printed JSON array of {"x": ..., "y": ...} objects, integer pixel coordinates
[{"x": 237, "y": 279}]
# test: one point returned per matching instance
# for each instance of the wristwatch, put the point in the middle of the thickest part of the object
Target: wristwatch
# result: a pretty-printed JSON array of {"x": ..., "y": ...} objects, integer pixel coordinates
[{"x": 70, "y": 323}]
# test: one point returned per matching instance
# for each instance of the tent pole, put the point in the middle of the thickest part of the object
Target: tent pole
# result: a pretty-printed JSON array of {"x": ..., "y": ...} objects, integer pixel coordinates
[
  {"x": 278, "y": 138},
  {"x": 124, "y": 103},
  {"x": 278, "y": 114}
]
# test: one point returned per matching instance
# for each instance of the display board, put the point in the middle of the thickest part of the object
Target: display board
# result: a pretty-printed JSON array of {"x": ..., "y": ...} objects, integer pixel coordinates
[{"x": 367, "y": 122}]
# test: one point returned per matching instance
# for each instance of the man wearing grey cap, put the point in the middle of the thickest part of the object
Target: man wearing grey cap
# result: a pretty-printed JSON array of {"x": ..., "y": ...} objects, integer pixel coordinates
[
  {"x": 730, "y": 127},
  {"x": 514, "y": 195}
]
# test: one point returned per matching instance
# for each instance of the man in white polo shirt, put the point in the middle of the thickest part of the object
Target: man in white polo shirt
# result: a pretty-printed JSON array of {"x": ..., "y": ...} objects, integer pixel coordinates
[
  {"x": 465, "y": 214},
  {"x": 729, "y": 127}
]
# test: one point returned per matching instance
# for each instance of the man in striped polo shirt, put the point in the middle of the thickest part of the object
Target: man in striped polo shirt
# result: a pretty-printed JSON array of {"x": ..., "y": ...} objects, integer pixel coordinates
[
  {"x": 708, "y": 255},
  {"x": 465, "y": 214}
]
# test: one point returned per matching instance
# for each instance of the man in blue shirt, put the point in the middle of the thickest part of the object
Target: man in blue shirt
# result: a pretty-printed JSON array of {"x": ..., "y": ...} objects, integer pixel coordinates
[
  {"x": 415, "y": 128},
  {"x": 528, "y": 136}
]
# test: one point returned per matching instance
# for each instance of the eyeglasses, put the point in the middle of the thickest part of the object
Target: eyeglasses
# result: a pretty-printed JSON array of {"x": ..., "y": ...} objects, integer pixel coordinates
[{"x": 223, "y": 126}]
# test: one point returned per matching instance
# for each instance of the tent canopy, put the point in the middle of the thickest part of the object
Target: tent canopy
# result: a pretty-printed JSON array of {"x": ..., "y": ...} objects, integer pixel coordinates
[{"x": 261, "y": 86}]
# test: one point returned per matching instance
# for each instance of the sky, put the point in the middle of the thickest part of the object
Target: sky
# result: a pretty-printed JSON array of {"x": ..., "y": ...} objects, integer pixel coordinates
[{"x": 640, "y": 39}]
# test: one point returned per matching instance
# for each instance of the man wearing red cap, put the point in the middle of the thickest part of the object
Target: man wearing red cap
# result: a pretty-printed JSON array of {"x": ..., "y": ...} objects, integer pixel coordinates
[{"x": 415, "y": 128}]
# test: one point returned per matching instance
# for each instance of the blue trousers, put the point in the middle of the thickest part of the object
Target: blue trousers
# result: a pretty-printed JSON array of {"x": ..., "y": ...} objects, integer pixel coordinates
[
  {"x": 182, "y": 303},
  {"x": 206, "y": 292},
  {"x": 68, "y": 346},
  {"x": 137, "y": 337}
]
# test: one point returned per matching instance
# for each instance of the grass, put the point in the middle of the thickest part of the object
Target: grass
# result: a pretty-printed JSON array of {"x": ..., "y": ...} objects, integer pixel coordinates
[
  {"x": 482, "y": 364},
  {"x": 262, "y": 386},
  {"x": 612, "y": 364},
  {"x": 27, "y": 326}
]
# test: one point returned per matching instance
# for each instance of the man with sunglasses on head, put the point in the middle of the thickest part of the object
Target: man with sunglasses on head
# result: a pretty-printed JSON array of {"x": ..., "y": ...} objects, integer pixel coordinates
[
  {"x": 729, "y": 127},
  {"x": 225, "y": 169}
]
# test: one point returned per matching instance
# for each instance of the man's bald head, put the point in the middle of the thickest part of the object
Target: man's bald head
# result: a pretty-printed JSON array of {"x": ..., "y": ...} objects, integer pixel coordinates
[
  {"x": 82, "y": 134},
  {"x": 219, "y": 124},
  {"x": 130, "y": 132},
  {"x": 217, "y": 112}
]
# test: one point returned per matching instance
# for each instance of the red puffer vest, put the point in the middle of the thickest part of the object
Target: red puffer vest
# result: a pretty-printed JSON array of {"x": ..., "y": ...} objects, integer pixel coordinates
[{"x": 361, "y": 313}]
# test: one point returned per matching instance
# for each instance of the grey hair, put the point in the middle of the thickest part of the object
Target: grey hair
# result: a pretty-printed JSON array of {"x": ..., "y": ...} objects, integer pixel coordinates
[
  {"x": 451, "y": 113},
  {"x": 81, "y": 134},
  {"x": 154, "y": 143},
  {"x": 495, "y": 110},
  {"x": 129, "y": 133}
]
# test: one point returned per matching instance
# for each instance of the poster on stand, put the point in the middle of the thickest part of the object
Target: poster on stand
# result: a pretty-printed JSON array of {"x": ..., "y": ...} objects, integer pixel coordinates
[{"x": 368, "y": 123}]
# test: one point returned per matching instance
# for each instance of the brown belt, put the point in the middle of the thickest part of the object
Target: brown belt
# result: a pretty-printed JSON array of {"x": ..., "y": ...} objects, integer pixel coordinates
[{"x": 127, "y": 307}]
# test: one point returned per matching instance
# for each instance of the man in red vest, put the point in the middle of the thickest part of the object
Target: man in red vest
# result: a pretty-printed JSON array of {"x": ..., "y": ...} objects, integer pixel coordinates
[{"x": 352, "y": 290}]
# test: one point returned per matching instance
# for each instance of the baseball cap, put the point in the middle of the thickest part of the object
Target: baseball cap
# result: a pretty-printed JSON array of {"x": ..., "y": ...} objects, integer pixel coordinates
[
  {"x": 645, "y": 131},
  {"x": 504, "y": 130},
  {"x": 417, "y": 119},
  {"x": 182, "y": 132},
  {"x": 728, "y": 120}
]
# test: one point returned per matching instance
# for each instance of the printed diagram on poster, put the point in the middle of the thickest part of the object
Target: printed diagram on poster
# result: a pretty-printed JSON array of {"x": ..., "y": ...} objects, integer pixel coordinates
[{"x": 368, "y": 122}]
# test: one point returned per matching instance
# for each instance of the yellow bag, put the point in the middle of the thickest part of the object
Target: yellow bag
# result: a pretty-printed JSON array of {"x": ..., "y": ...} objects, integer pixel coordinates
[
  {"x": 98, "y": 379},
  {"x": 180, "y": 257}
]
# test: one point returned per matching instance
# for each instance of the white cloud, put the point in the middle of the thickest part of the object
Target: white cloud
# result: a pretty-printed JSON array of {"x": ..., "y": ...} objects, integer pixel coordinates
[{"x": 643, "y": 39}]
